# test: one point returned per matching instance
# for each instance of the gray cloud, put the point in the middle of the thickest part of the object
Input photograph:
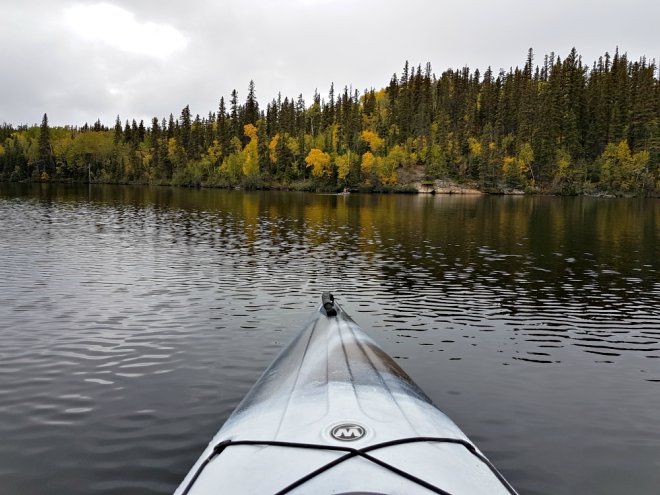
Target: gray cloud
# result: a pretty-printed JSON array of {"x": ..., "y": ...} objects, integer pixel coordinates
[{"x": 292, "y": 46}]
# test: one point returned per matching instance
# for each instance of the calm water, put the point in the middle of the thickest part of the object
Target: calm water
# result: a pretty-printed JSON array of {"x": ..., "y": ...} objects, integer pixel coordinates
[{"x": 133, "y": 320}]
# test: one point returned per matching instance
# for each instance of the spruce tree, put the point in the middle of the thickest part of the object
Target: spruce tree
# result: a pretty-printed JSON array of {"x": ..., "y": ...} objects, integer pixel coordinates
[
  {"x": 251, "y": 106},
  {"x": 233, "y": 116},
  {"x": 224, "y": 130},
  {"x": 141, "y": 131},
  {"x": 185, "y": 128},
  {"x": 154, "y": 139},
  {"x": 45, "y": 149},
  {"x": 119, "y": 135},
  {"x": 196, "y": 139}
]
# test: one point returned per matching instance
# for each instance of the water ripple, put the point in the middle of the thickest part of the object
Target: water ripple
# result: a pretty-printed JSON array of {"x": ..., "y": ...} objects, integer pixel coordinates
[{"x": 133, "y": 322}]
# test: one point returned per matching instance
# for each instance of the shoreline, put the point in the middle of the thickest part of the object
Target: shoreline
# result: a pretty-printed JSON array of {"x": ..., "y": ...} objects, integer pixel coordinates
[{"x": 442, "y": 187}]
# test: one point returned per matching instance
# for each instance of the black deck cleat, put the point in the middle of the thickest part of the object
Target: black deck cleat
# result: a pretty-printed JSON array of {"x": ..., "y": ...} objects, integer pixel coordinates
[{"x": 329, "y": 304}]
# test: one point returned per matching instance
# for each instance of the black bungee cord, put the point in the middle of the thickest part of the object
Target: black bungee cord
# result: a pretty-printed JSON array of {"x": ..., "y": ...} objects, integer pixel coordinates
[{"x": 349, "y": 454}]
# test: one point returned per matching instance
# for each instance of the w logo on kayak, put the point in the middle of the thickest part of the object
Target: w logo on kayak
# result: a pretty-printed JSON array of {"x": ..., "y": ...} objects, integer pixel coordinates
[{"x": 348, "y": 432}]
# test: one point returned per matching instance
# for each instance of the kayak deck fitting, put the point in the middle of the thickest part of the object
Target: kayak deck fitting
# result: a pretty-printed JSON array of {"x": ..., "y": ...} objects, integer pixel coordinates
[{"x": 335, "y": 414}]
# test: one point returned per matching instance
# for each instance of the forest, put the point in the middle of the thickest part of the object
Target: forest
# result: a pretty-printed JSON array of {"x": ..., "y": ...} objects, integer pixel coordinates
[{"x": 559, "y": 126}]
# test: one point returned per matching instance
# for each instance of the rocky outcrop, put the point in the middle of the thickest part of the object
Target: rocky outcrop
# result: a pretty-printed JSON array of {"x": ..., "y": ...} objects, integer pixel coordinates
[{"x": 444, "y": 187}]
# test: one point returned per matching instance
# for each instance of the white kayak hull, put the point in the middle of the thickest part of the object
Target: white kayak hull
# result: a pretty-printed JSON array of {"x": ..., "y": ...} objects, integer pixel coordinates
[{"x": 334, "y": 388}]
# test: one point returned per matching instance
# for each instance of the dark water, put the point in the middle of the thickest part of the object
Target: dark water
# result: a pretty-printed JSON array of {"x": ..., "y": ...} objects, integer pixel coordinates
[{"x": 133, "y": 320}]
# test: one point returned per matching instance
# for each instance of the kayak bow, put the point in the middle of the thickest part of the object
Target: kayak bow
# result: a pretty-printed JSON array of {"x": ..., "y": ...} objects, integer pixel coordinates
[{"x": 335, "y": 414}]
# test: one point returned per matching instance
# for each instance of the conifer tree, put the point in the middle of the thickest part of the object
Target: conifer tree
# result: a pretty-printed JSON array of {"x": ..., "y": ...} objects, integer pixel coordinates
[
  {"x": 251, "y": 106},
  {"x": 236, "y": 127},
  {"x": 118, "y": 135},
  {"x": 223, "y": 130},
  {"x": 141, "y": 131},
  {"x": 185, "y": 129},
  {"x": 45, "y": 148}
]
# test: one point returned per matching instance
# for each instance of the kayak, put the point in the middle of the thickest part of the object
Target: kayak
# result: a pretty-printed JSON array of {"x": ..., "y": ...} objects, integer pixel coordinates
[{"x": 335, "y": 414}]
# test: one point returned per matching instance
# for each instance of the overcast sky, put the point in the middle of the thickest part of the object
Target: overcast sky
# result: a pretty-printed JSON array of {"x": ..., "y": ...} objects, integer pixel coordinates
[{"x": 83, "y": 60}]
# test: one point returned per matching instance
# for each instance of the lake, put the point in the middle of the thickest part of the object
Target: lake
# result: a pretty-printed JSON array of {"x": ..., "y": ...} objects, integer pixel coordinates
[{"x": 134, "y": 319}]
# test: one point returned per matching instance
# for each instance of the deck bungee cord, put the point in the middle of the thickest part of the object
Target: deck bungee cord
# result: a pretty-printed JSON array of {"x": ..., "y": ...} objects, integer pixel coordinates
[{"x": 350, "y": 453}]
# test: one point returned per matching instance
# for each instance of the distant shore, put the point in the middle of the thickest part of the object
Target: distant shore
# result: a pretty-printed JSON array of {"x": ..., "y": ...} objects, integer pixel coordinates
[{"x": 435, "y": 187}]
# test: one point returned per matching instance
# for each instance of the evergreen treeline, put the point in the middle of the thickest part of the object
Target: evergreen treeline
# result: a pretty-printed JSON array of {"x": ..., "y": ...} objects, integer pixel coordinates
[{"x": 557, "y": 126}]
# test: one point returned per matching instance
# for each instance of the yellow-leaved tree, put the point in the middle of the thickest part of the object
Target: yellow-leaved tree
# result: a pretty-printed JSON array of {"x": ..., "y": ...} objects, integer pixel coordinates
[
  {"x": 232, "y": 165},
  {"x": 395, "y": 158},
  {"x": 515, "y": 169},
  {"x": 512, "y": 172},
  {"x": 367, "y": 165},
  {"x": 343, "y": 166},
  {"x": 371, "y": 167},
  {"x": 620, "y": 169},
  {"x": 563, "y": 164},
  {"x": 372, "y": 138},
  {"x": 211, "y": 158},
  {"x": 293, "y": 145},
  {"x": 335, "y": 136},
  {"x": 474, "y": 157},
  {"x": 272, "y": 147},
  {"x": 250, "y": 152},
  {"x": 566, "y": 176},
  {"x": 320, "y": 163},
  {"x": 474, "y": 147},
  {"x": 525, "y": 159}
]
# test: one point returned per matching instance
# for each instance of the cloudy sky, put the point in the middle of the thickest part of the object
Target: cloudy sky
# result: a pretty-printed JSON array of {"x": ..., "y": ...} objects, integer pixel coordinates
[{"x": 88, "y": 59}]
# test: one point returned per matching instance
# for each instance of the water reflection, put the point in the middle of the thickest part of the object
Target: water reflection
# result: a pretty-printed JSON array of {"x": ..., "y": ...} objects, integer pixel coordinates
[{"x": 134, "y": 319}]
